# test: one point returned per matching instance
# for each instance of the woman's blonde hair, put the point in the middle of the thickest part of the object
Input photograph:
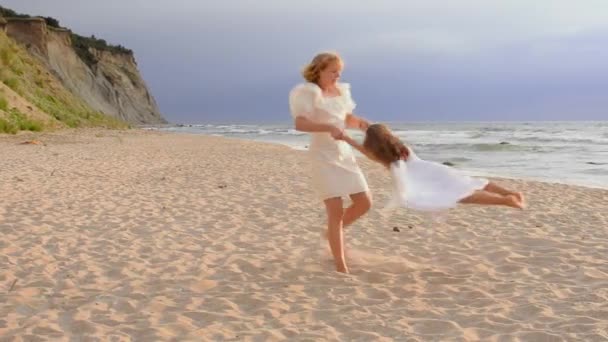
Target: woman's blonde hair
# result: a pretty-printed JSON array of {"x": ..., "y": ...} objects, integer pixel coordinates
[{"x": 312, "y": 71}]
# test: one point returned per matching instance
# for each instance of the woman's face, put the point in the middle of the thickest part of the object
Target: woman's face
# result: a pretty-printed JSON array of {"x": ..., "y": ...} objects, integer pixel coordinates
[{"x": 331, "y": 74}]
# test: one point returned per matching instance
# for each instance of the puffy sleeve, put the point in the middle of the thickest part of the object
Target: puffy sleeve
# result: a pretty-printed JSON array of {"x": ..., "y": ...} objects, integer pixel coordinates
[
  {"x": 349, "y": 103},
  {"x": 302, "y": 100}
]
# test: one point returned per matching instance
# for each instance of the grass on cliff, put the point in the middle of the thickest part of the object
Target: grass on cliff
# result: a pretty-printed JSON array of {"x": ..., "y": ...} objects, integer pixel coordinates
[
  {"x": 82, "y": 45},
  {"x": 27, "y": 77},
  {"x": 15, "y": 121}
]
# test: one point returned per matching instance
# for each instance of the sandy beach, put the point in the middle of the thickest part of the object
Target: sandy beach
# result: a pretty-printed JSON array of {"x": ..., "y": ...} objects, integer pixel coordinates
[{"x": 148, "y": 236}]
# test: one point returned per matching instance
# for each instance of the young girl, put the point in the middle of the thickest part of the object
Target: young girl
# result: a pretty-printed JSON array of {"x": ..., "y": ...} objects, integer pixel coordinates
[{"x": 426, "y": 185}]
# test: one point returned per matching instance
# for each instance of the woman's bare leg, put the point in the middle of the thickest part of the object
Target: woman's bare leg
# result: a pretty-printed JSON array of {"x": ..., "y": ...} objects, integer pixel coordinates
[
  {"x": 335, "y": 212},
  {"x": 489, "y": 198},
  {"x": 362, "y": 202}
]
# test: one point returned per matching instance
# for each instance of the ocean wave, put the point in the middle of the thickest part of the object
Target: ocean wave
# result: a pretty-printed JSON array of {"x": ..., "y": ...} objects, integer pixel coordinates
[
  {"x": 567, "y": 140},
  {"x": 480, "y": 138},
  {"x": 246, "y": 130},
  {"x": 459, "y": 159},
  {"x": 484, "y": 147},
  {"x": 596, "y": 171},
  {"x": 499, "y": 147},
  {"x": 573, "y": 152},
  {"x": 496, "y": 129},
  {"x": 527, "y": 138},
  {"x": 477, "y": 135}
]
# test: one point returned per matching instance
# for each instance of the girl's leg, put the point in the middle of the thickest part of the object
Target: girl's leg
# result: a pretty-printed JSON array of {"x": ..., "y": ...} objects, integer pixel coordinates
[
  {"x": 495, "y": 188},
  {"x": 334, "y": 230},
  {"x": 362, "y": 202},
  {"x": 489, "y": 198}
]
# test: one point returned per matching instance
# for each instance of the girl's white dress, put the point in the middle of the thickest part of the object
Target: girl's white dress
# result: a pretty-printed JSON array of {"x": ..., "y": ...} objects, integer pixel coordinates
[
  {"x": 425, "y": 185},
  {"x": 335, "y": 172}
]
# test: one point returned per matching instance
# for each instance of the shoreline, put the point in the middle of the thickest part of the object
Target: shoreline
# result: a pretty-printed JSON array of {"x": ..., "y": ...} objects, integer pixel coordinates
[{"x": 468, "y": 172}]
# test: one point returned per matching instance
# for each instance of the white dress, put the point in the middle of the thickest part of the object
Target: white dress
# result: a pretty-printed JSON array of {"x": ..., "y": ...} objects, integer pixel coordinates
[
  {"x": 425, "y": 185},
  {"x": 335, "y": 172}
]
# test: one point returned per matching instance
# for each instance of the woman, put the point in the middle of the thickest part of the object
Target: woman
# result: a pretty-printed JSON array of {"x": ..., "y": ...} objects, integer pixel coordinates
[{"x": 324, "y": 108}]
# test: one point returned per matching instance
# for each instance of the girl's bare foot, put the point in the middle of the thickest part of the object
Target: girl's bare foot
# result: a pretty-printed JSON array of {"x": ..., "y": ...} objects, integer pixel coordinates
[
  {"x": 518, "y": 195},
  {"x": 514, "y": 202}
]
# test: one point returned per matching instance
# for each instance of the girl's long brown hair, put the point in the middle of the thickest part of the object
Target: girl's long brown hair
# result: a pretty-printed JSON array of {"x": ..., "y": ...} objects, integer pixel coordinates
[{"x": 383, "y": 145}]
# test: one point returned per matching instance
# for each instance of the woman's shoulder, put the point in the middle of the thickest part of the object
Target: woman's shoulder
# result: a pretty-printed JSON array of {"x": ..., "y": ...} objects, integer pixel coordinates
[
  {"x": 305, "y": 93},
  {"x": 306, "y": 87}
]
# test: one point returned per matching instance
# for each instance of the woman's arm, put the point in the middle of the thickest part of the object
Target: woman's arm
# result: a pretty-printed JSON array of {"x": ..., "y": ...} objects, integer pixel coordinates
[
  {"x": 353, "y": 121},
  {"x": 303, "y": 124}
]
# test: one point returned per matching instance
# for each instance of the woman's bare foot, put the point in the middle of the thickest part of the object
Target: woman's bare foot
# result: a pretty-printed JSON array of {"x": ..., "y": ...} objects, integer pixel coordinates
[
  {"x": 342, "y": 269},
  {"x": 514, "y": 201}
]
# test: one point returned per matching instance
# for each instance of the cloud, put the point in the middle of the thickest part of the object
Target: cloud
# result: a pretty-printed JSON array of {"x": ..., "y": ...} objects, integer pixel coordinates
[{"x": 212, "y": 60}]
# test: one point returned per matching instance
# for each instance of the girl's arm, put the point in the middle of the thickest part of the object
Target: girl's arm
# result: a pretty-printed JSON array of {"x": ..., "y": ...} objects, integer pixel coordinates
[{"x": 352, "y": 142}]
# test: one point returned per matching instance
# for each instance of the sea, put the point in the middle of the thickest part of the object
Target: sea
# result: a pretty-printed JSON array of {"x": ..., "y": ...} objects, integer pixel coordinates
[{"x": 570, "y": 152}]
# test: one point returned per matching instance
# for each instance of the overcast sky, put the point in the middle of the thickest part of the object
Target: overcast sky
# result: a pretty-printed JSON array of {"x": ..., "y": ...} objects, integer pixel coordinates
[{"x": 235, "y": 61}]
